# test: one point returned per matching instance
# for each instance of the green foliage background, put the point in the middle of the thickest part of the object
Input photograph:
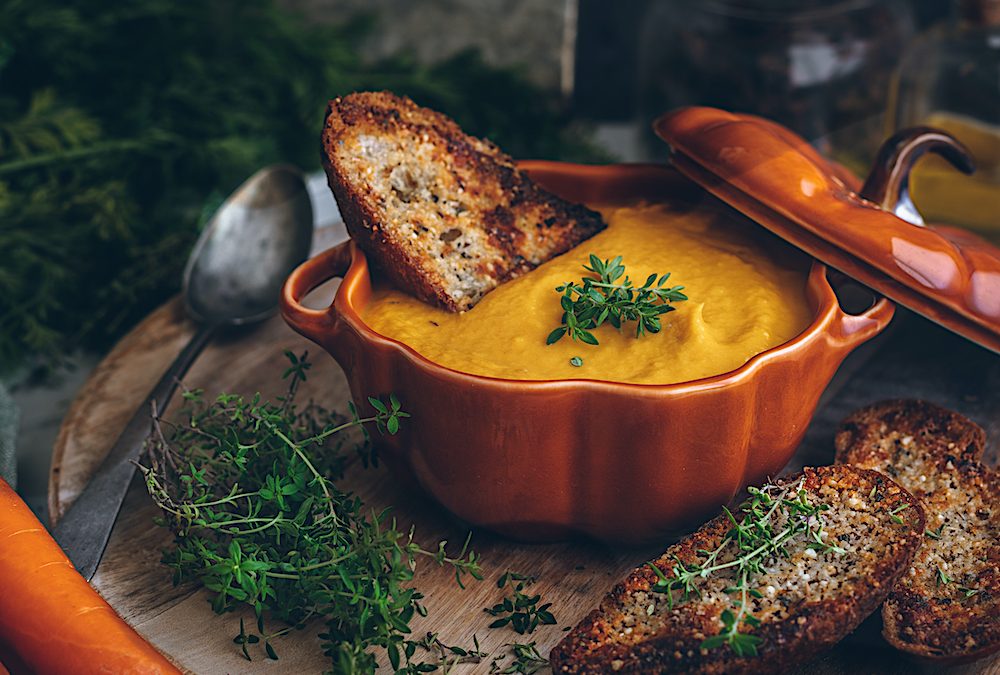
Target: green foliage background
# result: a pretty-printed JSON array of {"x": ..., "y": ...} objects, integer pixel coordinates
[{"x": 123, "y": 124}]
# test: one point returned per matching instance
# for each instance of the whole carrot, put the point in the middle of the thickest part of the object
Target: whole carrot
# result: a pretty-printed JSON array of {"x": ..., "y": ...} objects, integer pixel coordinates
[{"x": 51, "y": 620}]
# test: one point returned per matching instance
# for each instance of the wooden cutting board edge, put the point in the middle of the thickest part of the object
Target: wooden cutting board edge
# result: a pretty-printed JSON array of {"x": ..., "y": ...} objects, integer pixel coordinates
[{"x": 166, "y": 330}]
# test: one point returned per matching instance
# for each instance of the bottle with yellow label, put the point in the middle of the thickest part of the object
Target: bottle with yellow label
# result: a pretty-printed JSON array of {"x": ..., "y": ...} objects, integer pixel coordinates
[{"x": 950, "y": 79}]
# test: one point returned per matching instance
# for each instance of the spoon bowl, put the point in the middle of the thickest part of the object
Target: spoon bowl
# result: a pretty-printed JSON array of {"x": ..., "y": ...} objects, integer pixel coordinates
[{"x": 253, "y": 242}]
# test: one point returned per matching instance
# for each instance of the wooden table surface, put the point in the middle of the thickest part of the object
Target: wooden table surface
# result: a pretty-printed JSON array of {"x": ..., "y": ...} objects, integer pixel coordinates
[{"x": 917, "y": 359}]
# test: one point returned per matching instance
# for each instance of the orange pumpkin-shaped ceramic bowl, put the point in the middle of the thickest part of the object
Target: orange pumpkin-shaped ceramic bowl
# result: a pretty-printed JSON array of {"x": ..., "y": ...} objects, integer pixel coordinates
[{"x": 542, "y": 460}]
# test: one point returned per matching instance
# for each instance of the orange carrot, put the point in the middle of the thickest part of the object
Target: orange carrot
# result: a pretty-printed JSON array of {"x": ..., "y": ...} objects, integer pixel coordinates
[{"x": 51, "y": 620}]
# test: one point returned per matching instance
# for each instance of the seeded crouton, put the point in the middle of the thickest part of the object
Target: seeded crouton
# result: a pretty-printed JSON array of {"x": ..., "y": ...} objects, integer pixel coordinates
[
  {"x": 802, "y": 600},
  {"x": 947, "y": 607},
  {"x": 446, "y": 216}
]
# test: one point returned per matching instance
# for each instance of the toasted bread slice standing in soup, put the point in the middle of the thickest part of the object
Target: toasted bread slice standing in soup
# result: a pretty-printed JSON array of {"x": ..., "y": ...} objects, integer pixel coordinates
[{"x": 446, "y": 216}]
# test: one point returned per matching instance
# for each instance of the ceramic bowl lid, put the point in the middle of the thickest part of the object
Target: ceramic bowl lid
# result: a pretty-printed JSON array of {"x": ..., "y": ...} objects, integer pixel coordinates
[{"x": 870, "y": 232}]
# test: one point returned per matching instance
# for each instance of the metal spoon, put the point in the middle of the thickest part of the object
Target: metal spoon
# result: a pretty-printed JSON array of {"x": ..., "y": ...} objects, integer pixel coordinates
[{"x": 233, "y": 277}]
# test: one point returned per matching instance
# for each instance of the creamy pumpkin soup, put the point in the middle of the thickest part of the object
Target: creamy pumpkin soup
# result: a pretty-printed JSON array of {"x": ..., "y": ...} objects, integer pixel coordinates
[{"x": 744, "y": 297}]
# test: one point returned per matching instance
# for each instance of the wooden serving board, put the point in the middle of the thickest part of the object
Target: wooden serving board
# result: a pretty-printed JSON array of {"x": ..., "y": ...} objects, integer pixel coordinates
[{"x": 180, "y": 622}]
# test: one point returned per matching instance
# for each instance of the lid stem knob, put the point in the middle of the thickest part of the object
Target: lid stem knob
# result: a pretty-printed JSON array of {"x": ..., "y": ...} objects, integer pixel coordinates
[{"x": 888, "y": 184}]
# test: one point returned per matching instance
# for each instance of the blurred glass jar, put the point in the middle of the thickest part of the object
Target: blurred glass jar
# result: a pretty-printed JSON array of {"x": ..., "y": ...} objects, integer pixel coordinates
[
  {"x": 820, "y": 67},
  {"x": 950, "y": 79}
]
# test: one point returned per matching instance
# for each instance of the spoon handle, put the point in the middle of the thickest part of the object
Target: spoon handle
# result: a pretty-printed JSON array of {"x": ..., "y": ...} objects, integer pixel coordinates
[{"x": 84, "y": 529}]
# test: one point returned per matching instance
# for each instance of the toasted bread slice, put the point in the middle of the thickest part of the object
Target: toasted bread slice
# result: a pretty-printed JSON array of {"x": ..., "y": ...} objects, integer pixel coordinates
[
  {"x": 808, "y": 600},
  {"x": 947, "y": 606},
  {"x": 446, "y": 216}
]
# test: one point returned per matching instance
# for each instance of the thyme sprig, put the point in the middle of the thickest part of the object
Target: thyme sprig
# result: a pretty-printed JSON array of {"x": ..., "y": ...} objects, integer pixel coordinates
[
  {"x": 894, "y": 514},
  {"x": 746, "y": 548},
  {"x": 943, "y": 579},
  {"x": 248, "y": 488},
  {"x": 519, "y": 609},
  {"x": 606, "y": 296},
  {"x": 527, "y": 660},
  {"x": 446, "y": 657}
]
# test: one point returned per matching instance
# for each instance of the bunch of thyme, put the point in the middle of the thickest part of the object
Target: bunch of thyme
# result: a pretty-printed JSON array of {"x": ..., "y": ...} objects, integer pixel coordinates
[
  {"x": 749, "y": 544},
  {"x": 602, "y": 297},
  {"x": 247, "y": 486}
]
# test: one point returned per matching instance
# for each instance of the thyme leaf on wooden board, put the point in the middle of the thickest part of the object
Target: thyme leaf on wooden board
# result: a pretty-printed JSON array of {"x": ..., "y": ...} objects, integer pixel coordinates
[
  {"x": 446, "y": 657},
  {"x": 605, "y": 296},
  {"x": 527, "y": 660},
  {"x": 745, "y": 549},
  {"x": 520, "y": 610},
  {"x": 249, "y": 489}
]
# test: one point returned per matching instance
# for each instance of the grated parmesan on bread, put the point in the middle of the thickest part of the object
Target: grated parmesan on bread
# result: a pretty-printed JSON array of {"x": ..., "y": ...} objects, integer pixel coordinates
[
  {"x": 808, "y": 600},
  {"x": 446, "y": 216},
  {"x": 947, "y": 607}
]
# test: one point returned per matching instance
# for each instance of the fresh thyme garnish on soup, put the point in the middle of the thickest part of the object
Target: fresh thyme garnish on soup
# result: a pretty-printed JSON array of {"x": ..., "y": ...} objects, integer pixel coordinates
[
  {"x": 248, "y": 488},
  {"x": 609, "y": 295}
]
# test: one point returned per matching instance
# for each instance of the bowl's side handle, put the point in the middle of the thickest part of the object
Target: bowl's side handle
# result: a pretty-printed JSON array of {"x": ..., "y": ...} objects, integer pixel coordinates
[
  {"x": 313, "y": 323},
  {"x": 850, "y": 330}
]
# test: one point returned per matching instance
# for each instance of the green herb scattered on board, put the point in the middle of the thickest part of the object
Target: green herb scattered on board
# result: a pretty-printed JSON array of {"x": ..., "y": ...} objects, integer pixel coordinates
[
  {"x": 746, "y": 548},
  {"x": 249, "y": 489},
  {"x": 446, "y": 657},
  {"x": 527, "y": 660},
  {"x": 520, "y": 610},
  {"x": 606, "y": 296}
]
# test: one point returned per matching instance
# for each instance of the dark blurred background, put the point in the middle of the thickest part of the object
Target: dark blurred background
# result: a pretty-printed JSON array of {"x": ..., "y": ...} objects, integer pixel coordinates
[{"x": 122, "y": 125}]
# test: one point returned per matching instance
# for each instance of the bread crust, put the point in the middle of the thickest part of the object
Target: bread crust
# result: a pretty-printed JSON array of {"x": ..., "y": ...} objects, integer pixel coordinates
[
  {"x": 392, "y": 201},
  {"x": 936, "y": 454},
  {"x": 810, "y": 627}
]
